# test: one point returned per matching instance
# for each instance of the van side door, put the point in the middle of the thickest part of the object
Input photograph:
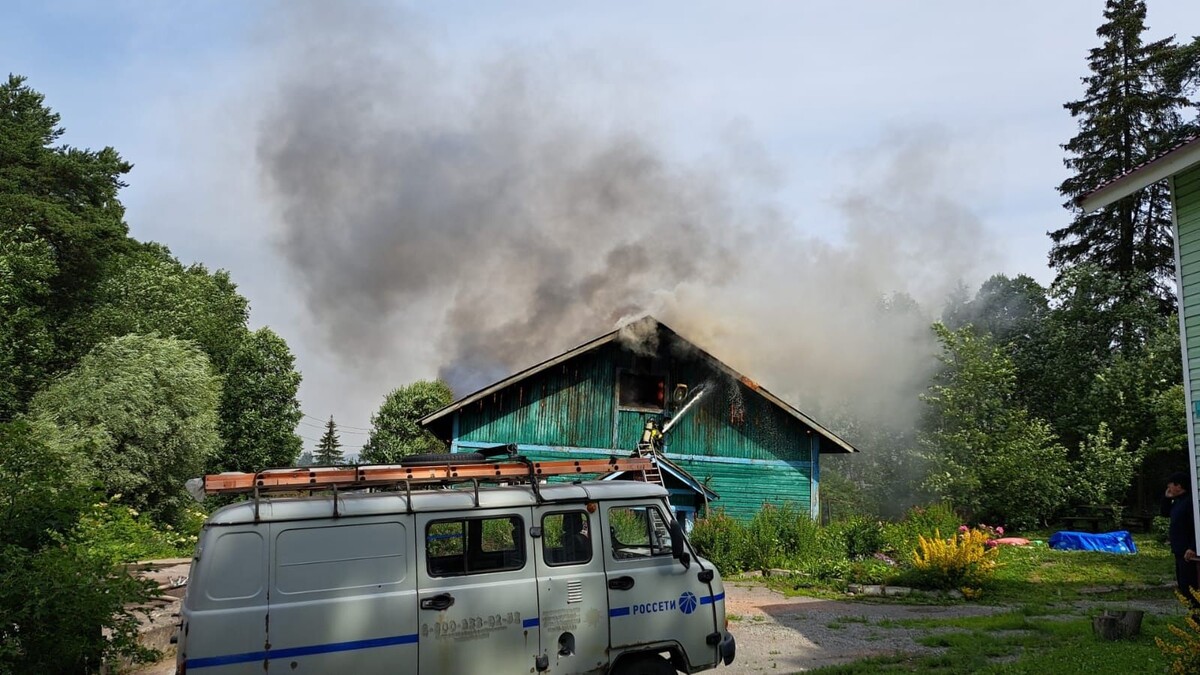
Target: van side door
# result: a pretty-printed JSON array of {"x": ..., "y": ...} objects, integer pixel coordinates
[
  {"x": 572, "y": 599},
  {"x": 343, "y": 596},
  {"x": 652, "y": 597},
  {"x": 477, "y": 592}
]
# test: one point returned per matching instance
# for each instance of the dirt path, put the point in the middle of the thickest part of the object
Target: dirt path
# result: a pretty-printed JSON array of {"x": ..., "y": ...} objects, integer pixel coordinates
[{"x": 778, "y": 634}]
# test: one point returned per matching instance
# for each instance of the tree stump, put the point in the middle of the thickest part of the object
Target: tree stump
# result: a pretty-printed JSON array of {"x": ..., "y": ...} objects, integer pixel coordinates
[{"x": 1118, "y": 625}]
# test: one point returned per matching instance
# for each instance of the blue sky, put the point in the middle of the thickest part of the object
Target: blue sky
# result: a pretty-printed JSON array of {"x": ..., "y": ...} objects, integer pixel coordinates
[{"x": 819, "y": 93}]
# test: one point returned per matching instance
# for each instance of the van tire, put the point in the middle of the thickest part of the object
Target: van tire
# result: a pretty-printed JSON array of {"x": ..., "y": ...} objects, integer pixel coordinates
[
  {"x": 429, "y": 458},
  {"x": 647, "y": 664}
]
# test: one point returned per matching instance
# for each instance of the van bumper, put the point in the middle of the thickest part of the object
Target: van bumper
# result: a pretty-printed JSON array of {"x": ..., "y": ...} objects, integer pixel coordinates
[{"x": 728, "y": 647}]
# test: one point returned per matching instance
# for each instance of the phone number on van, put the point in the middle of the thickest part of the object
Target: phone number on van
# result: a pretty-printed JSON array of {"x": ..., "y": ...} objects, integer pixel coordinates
[{"x": 476, "y": 626}]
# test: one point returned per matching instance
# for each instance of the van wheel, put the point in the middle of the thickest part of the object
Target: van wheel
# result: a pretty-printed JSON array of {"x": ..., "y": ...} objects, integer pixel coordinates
[
  {"x": 650, "y": 664},
  {"x": 442, "y": 458}
]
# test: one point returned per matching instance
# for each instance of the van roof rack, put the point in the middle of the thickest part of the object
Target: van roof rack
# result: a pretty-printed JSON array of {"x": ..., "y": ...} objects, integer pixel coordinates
[{"x": 515, "y": 469}]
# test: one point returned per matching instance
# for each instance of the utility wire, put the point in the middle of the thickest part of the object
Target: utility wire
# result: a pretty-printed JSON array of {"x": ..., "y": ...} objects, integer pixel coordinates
[{"x": 340, "y": 426}]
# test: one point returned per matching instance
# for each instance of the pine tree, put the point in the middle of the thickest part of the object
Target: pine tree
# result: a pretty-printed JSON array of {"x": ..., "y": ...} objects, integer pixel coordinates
[
  {"x": 1127, "y": 116},
  {"x": 329, "y": 449}
]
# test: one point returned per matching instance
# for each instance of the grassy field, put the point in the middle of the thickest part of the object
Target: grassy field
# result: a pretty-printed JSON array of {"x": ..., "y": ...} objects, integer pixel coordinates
[{"x": 1050, "y": 598}]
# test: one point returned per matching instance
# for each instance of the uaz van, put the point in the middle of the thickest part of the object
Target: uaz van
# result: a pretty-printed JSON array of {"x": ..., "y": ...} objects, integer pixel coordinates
[{"x": 587, "y": 577}]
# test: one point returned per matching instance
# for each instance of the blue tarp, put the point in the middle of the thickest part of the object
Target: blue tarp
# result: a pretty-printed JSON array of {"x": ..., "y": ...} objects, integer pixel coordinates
[{"x": 1109, "y": 542}]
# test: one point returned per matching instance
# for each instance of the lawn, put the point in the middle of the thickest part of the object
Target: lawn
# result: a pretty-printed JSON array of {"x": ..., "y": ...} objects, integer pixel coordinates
[{"x": 1050, "y": 597}]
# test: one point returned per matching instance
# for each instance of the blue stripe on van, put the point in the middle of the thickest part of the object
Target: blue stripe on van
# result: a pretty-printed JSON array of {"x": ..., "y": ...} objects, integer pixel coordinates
[
  {"x": 307, "y": 650},
  {"x": 529, "y": 623},
  {"x": 710, "y": 599},
  {"x": 618, "y": 611}
]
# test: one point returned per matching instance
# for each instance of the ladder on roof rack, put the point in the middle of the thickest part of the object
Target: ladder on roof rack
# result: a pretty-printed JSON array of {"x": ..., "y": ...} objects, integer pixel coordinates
[{"x": 518, "y": 469}]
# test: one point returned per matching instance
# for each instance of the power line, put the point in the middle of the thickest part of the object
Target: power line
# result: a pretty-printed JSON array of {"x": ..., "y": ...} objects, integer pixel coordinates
[
  {"x": 340, "y": 426},
  {"x": 340, "y": 429}
]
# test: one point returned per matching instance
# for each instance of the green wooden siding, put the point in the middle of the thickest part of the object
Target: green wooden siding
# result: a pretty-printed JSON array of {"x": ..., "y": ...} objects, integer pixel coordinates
[
  {"x": 572, "y": 406},
  {"x": 743, "y": 486},
  {"x": 1187, "y": 219}
]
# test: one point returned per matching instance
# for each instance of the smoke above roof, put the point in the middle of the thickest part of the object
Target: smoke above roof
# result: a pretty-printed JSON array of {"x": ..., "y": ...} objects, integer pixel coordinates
[{"x": 478, "y": 214}]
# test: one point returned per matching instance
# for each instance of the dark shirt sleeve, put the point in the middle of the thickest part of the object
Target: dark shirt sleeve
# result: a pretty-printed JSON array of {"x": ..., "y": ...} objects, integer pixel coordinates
[
  {"x": 1164, "y": 507},
  {"x": 1180, "y": 531}
]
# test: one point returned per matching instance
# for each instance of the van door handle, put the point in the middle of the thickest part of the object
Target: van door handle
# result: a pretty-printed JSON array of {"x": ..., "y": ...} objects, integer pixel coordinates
[
  {"x": 621, "y": 583},
  {"x": 439, "y": 602}
]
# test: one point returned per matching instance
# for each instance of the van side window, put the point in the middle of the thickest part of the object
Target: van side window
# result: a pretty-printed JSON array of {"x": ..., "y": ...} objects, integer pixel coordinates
[
  {"x": 474, "y": 546},
  {"x": 566, "y": 538},
  {"x": 638, "y": 532}
]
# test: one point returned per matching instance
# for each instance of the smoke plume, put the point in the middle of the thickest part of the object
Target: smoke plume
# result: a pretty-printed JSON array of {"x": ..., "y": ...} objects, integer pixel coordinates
[{"x": 506, "y": 209}]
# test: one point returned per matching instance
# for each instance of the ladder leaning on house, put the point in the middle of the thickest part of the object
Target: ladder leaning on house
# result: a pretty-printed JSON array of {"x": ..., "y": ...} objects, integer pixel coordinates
[{"x": 651, "y": 474}]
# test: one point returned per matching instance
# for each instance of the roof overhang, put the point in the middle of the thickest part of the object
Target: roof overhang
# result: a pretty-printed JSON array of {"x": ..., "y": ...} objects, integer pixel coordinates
[
  {"x": 679, "y": 473},
  {"x": 1166, "y": 165}
]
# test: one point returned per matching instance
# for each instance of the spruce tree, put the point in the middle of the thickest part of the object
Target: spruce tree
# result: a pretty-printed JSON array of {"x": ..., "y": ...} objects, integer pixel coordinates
[
  {"x": 1128, "y": 115},
  {"x": 329, "y": 449}
]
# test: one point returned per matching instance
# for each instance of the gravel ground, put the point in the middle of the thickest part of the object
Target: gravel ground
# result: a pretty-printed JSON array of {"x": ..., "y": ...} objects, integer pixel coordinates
[{"x": 778, "y": 634}]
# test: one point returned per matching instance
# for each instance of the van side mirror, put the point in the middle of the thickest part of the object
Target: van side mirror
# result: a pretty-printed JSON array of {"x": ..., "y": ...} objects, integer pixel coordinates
[{"x": 678, "y": 549}]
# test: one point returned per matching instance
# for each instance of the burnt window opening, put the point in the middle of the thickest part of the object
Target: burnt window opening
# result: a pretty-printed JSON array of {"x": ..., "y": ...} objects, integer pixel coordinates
[{"x": 641, "y": 391}]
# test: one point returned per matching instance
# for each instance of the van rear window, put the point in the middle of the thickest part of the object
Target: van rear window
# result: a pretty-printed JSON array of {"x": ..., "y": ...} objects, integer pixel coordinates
[
  {"x": 474, "y": 546},
  {"x": 235, "y": 562}
]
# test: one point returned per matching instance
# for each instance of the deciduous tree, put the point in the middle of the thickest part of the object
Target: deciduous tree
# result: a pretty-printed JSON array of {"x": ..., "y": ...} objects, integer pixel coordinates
[
  {"x": 143, "y": 411},
  {"x": 259, "y": 410},
  {"x": 395, "y": 428},
  {"x": 988, "y": 454},
  {"x": 149, "y": 291},
  {"x": 26, "y": 343}
]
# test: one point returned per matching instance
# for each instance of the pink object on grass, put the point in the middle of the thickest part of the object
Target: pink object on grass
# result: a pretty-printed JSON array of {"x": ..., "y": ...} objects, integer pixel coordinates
[{"x": 1008, "y": 541}]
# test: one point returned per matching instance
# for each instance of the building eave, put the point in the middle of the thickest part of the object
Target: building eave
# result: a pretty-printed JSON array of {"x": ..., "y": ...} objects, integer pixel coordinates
[
  {"x": 1178, "y": 159},
  {"x": 680, "y": 474}
]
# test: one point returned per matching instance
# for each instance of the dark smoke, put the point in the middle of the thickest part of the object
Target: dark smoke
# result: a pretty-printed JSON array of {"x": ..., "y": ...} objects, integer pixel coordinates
[
  {"x": 499, "y": 211},
  {"x": 400, "y": 178}
]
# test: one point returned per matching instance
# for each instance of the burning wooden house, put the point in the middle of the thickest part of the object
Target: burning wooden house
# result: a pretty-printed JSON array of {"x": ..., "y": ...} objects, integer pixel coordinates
[{"x": 718, "y": 434}]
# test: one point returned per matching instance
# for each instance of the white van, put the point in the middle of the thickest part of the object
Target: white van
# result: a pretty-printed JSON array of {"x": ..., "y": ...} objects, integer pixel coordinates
[{"x": 588, "y": 577}]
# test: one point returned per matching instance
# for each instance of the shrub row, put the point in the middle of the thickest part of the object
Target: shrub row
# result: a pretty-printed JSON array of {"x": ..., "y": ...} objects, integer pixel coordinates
[{"x": 912, "y": 550}]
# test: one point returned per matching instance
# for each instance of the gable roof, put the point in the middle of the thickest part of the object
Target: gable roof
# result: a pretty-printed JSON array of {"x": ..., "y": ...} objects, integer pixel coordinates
[
  {"x": 1179, "y": 158},
  {"x": 838, "y": 443}
]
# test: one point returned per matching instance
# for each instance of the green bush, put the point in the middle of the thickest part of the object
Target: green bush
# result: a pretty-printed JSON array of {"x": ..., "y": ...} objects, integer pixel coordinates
[
  {"x": 962, "y": 561},
  {"x": 58, "y": 599},
  {"x": 765, "y": 545},
  {"x": 119, "y": 533},
  {"x": 863, "y": 536},
  {"x": 871, "y": 571},
  {"x": 721, "y": 540},
  {"x": 57, "y": 602},
  {"x": 901, "y": 539}
]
